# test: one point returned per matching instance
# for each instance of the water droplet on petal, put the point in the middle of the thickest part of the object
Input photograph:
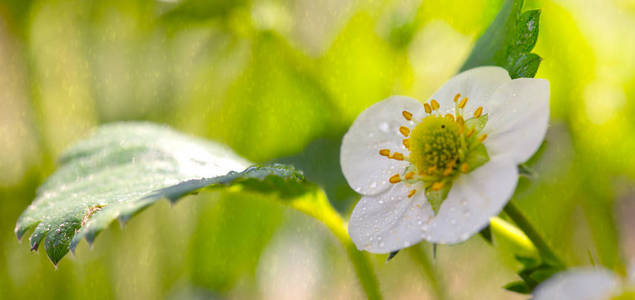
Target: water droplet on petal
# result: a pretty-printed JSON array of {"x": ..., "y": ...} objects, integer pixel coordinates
[{"x": 384, "y": 127}]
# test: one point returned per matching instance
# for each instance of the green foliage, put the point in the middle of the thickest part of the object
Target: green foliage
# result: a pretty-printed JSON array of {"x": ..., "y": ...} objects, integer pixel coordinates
[
  {"x": 508, "y": 41},
  {"x": 532, "y": 274},
  {"x": 126, "y": 167},
  {"x": 202, "y": 9},
  {"x": 225, "y": 247}
]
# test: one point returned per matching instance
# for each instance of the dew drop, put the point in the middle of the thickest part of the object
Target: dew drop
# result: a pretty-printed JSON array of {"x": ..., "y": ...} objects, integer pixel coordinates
[
  {"x": 384, "y": 127},
  {"x": 453, "y": 221},
  {"x": 381, "y": 244}
]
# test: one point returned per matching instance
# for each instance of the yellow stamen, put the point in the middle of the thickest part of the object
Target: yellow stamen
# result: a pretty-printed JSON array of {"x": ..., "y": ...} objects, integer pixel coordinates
[
  {"x": 460, "y": 120},
  {"x": 406, "y": 143},
  {"x": 463, "y": 102},
  {"x": 469, "y": 133},
  {"x": 409, "y": 175},
  {"x": 447, "y": 172},
  {"x": 432, "y": 169},
  {"x": 407, "y": 115},
  {"x": 404, "y": 130},
  {"x": 450, "y": 116},
  {"x": 395, "y": 178},
  {"x": 397, "y": 156},
  {"x": 437, "y": 185},
  {"x": 384, "y": 152},
  {"x": 412, "y": 193},
  {"x": 482, "y": 137},
  {"x": 427, "y": 107},
  {"x": 456, "y": 98},
  {"x": 478, "y": 112},
  {"x": 464, "y": 167},
  {"x": 435, "y": 105}
]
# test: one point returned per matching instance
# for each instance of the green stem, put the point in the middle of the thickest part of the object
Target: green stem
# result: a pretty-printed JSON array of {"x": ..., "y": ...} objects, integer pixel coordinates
[
  {"x": 429, "y": 271},
  {"x": 523, "y": 223},
  {"x": 317, "y": 206}
]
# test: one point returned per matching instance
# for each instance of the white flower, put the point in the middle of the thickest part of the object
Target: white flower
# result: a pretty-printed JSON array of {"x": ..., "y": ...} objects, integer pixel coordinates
[
  {"x": 583, "y": 284},
  {"x": 440, "y": 170}
]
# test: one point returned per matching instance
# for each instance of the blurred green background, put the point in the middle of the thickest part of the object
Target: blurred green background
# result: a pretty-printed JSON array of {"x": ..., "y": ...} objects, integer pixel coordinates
[{"x": 282, "y": 81}]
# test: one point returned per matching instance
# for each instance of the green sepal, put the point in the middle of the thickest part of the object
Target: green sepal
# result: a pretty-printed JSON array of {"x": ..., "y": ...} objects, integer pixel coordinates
[
  {"x": 525, "y": 171},
  {"x": 436, "y": 198},
  {"x": 477, "y": 123},
  {"x": 476, "y": 157}
]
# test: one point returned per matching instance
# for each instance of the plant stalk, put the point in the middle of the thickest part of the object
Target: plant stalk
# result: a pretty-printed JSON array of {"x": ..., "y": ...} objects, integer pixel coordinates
[
  {"x": 523, "y": 223},
  {"x": 429, "y": 271},
  {"x": 317, "y": 206}
]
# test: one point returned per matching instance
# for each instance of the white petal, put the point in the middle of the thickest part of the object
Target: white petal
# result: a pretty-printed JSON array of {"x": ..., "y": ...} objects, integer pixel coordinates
[
  {"x": 478, "y": 84},
  {"x": 518, "y": 117},
  {"x": 389, "y": 221},
  {"x": 376, "y": 128},
  {"x": 581, "y": 284},
  {"x": 473, "y": 199}
]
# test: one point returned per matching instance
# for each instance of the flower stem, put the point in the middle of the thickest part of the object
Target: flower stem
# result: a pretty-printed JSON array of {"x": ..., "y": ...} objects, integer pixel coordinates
[
  {"x": 541, "y": 245},
  {"x": 429, "y": 270},
  {"x": 317, "y": 206}
]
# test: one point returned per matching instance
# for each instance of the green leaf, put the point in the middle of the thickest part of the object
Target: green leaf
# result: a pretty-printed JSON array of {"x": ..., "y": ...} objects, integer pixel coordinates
[
  {"x": 518, "y": 287},
  {"x": 543, "y": 274},
  {"x": 524, "y": 65},
  {"x": 527, "y": 31},
  {"x": 527, "y": 261},
  {"x": 508, "y": 41},
  {"x": 125, "y": 167}
]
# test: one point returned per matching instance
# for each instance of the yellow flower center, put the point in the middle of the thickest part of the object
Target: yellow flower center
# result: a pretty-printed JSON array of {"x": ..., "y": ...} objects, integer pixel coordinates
[
  {"x": 441, "y": 147},
  {"x": 437, "y": 146}
]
